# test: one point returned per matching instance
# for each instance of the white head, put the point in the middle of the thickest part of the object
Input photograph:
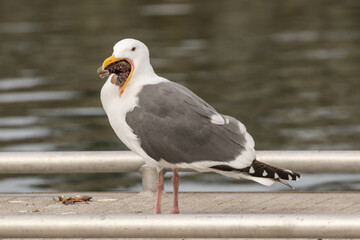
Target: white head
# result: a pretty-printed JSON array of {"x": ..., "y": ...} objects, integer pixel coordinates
[{"x": 132, "y": 51}]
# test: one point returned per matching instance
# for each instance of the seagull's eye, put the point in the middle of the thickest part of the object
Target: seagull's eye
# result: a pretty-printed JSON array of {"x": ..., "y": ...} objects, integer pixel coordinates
[{"x": 133, "y": 49}]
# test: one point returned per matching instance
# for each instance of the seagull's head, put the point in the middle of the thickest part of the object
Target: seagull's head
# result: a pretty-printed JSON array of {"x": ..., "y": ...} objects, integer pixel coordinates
[{"x": 128, "y": 55}]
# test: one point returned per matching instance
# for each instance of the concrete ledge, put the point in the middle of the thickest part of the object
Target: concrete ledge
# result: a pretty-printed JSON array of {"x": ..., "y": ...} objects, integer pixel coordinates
[
  {"x": 203, "y": 215},
  {"x": 189, "y": 203}
]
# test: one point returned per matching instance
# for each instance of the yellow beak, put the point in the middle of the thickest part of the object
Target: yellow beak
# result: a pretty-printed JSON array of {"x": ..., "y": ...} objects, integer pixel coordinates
[
  {"x": 113, "y": 59},
  {"x": 110, "y": 60}
]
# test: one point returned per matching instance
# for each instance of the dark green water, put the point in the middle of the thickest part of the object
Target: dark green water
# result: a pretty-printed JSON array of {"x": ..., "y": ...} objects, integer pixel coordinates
[{"x": 288, "y": 69}]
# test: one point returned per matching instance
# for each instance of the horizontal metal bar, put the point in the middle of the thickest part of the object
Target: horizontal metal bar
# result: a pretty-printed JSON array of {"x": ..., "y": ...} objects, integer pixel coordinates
[
  {"x": 69, "y": 162},
  {"x": 180, "y": 226},
  {"x": 313, "y": 161},
  {"x": 126, "y": 161}
]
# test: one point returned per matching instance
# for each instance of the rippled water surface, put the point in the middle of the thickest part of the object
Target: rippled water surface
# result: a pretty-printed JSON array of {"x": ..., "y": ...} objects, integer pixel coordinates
[{"x": 289, "y": 70}]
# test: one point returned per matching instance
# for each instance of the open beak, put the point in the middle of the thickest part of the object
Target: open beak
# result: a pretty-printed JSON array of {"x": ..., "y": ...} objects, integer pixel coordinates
[
  {"x": 110, "y": 60},
  {"x": 113, "y": 59}
]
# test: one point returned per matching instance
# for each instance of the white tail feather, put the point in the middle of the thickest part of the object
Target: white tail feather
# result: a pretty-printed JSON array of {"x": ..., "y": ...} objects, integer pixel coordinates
[{"x": 263, "y": 181}]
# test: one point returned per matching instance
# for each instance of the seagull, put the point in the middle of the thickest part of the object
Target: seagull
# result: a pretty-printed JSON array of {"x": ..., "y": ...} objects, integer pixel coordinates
[{"x": 171, "y": 127}]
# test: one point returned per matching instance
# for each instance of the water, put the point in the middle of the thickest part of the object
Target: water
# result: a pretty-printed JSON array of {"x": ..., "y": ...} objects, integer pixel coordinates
[{"x": 289, "y": 70}]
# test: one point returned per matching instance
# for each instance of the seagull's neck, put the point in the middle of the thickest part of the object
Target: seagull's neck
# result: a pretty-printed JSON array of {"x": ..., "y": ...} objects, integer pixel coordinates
[
  {"x": 144, "y": 69},
  {"x": 142, "y": 75}
]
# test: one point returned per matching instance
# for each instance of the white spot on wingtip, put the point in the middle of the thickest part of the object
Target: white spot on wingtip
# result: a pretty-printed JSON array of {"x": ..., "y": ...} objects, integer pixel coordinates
[
  {"x": 251, "y": 170},
  {"x": 297, "y": 178},
  {"x": 264, "y": 173},
  {"x": 276, "y": 176}
]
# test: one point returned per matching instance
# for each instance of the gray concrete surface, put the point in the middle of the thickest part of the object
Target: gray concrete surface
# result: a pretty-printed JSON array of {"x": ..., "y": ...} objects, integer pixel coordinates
[{"x": 189, "y": 203}]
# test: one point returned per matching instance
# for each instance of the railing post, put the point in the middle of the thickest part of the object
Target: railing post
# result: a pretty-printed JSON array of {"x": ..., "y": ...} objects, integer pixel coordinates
[{"x": 149, "y": 178}]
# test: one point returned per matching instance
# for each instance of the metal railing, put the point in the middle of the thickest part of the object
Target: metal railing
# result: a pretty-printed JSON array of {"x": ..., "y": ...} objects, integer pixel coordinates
[
  {"x": 126, "y": 161},
  {"x": 181, "y": 226},
  {"x": 170, "y": 226}
]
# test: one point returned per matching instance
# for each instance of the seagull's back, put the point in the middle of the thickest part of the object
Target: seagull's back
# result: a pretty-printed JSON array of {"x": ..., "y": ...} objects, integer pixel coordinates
[{"x": 177, "y": 127}]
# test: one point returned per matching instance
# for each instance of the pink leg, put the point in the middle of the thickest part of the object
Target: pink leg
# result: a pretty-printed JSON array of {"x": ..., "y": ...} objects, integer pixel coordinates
[
  {"x": 160, "y": 187},
  {"x": 176, "y": 181}
]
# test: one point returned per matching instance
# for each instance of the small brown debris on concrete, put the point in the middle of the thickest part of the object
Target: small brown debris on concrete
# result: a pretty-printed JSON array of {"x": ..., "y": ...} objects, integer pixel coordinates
[{"x": 73, "y": 200}]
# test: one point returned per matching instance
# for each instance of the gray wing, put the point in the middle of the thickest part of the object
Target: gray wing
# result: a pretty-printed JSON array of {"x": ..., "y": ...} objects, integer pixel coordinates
[{"x": 175, "y": 125}]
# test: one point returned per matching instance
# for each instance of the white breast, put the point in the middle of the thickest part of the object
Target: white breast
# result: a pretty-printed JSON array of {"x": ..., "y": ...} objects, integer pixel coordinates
[{"x": 116, "y": 108}]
